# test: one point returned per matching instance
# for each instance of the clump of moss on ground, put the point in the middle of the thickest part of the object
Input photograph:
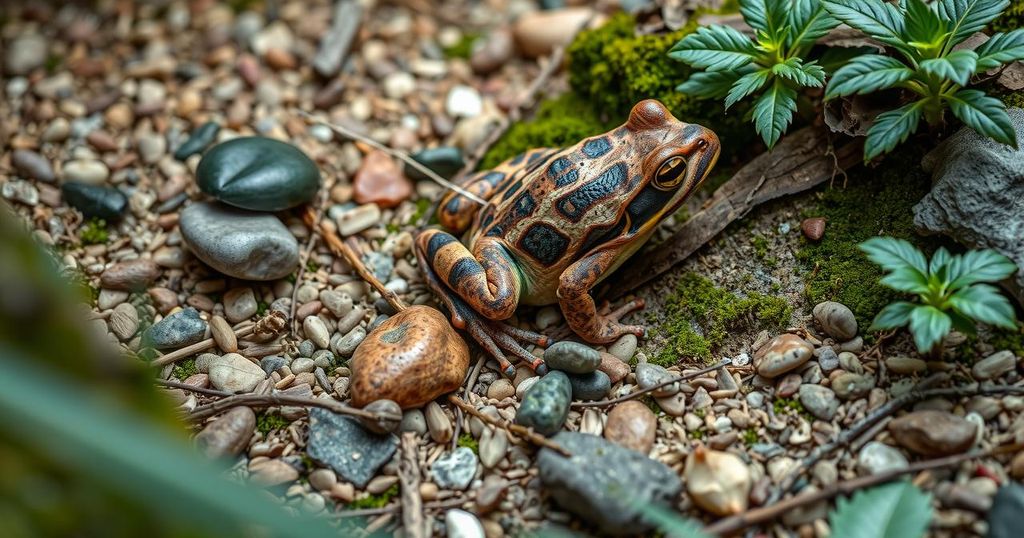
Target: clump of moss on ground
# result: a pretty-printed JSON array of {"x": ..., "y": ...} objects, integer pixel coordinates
[
  {"x": 93, "y": 232},
  {"x": 185, "y": 369},
  {"x": 699, "y": 316},
  {"x": 268, "y": 422},
  {"x": 463, "y": 48},
  {"x": 467, "y": 440},
  {"x": 875, "y": 201},
  {"x": 375, "y": 501}
]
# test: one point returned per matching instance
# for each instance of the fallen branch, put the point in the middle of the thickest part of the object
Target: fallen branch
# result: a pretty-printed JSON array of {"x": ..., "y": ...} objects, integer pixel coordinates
[
  {"x": 192, "y": 388},
  {"x": 394, "y": 507},
  {"x": 641, "y": 392},
  {"x": 733, "y": 524},
  {"x": 409, "y": 478},
  {"x": 268, "y": 400},
  {"x": 273, "y": 323},
  {"x": 515, "y": 429},
  {"x": 796, "y": 164}
]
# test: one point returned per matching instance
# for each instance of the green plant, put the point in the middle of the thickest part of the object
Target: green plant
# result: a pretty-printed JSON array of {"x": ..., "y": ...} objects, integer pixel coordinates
[
  {"x": 950, "y": 288},
  {"x": 925, "y": 35},
  {"x": 467, "y": 440},
  {"x": 894, "y": 510},
  {"x": 93, "y": 232},
  {"x": 736, "y": 67}
]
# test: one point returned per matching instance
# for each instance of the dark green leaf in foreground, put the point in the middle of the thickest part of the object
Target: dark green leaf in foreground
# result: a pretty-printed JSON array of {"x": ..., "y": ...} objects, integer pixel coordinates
[
  {"x": 894, "y": 510},
  {"x": 957, "y": 66},
  {"x": 773, "y": 111},
  {"x": 984, "y": 114},
  {"x": 709, "y": 84},
  {"x": 1000, "y": 49},
  {"x": 878, "y": 19},
  {"x": 716, "y": 48},
  {"x": 891, "y": 129},
  {"x": 968, "y": 16}
]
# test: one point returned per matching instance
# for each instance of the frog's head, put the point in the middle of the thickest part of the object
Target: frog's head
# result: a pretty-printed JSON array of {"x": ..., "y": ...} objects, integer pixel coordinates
[{"x": 674, "y": 159}]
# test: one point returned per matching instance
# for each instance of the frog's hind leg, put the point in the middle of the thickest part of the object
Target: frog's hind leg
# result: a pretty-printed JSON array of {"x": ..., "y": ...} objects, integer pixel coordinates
[{"x": 582, "y": 315}]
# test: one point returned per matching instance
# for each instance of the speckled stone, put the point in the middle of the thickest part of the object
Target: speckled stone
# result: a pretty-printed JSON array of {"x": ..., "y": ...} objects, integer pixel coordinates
[
  {"x": 455, "y": 470},
  {"x": 344, "y": 445},
  {"x": 572, "y": 357},
  {"x": 545, "y": 405},
  {"x": 180, "y": 329}
]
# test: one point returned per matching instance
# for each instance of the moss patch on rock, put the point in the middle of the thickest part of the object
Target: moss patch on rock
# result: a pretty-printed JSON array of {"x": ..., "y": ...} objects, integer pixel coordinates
[{"x": 699, "y": 316}]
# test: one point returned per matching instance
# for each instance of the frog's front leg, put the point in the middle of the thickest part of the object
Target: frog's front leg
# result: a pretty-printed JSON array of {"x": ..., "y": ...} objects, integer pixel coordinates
[
  {"x": 480, "y": 291},
  {"x": 578, "y": 306}
]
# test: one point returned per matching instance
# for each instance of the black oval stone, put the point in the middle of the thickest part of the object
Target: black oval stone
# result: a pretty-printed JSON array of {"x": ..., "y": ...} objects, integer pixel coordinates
[
  {"x": 200, "y": 140},
  {"x": 445, "y": 161},
  {"x": 106, "y": 203},
  {"x": 261, "y": 174}
]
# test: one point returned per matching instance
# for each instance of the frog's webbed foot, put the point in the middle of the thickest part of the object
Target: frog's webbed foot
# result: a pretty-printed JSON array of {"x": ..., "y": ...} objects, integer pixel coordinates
[
  {"x": 609, "y": 321},
  {"x": 498, "y": 338}
]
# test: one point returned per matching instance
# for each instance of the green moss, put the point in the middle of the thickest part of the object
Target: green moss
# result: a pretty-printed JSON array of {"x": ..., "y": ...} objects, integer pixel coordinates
[
  {"x": 262, "y": 306},
  {"x": 559, "y": 122},
  {"x": 463, "y": 48},
  {"x": 375, "y": 501},
  {"x": 698, "y": 434},
  {"x": 312, "y": 266},
  {"x": 781, "y": 405},
  {"x": 875, "y": 201},
  {"x": 749, "y": 437},
  {"x": 185, "y": 369},
  {"x": 467, "y": 440},
  {"x": 999, "y": 339},
  {"x": 699, "y": 316},
  {"x": 1011, "y": 19},
  {"x": 760, "y": 245},
  {"x": 93, "y": 232},
  {"x": 1013, "y": 99},
  {"x": 268, "y": 422}
]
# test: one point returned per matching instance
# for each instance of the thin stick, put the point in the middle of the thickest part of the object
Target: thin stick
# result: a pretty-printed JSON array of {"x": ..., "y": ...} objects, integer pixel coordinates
[
  {"x": 346, "y": 132},
  {"x": 273, "y": 323},
  {"x": 394, "y": 507},
  {"x": 755, "y": 516},
  {"x": 515, "y": 429},
  {"x": 268, "y": 400},
  {"x": 326, "y": 230},
  {"x": 185, "y": 386},
  {"x": 641, "y": 392},
  {"x": 409, "y": 478}
]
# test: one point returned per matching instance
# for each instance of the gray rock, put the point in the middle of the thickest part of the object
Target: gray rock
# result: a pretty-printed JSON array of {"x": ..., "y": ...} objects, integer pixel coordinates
[
  {"x": 994, "y": 365},
  {"x": 413, "y": 421},
  {"x": 1007, "y": 506},
  {"x": 347, "y": 447},
  {"x": 25, "y": 53},
  {"x": 592, "y": 386},
  {"x": 228, "y": 434},
  {"x": 836, "y": 319},
  {"x": 651, "y": 375},
  {"x": 606, "y": 484},
  {"x": 272, "y": 364},
  {"x": 33, "y": 165},
  {"x": 239, "y": 243},
  {"x": 334, "y": 45},
  {"x": 235, "y": 373},
  {"x": 181, "y": 328},
  {"x": 572, "y": 357},
  {"x": 455, "y": 470},
  {"x": 819, "y": 401},
  {"x": 878, "y": 457},
  {"x": 849, "y": 385},
  {"x": 978, "y": 196},
  {"x": 827, "y": 359},
  {"x": 545, "y": 405}
]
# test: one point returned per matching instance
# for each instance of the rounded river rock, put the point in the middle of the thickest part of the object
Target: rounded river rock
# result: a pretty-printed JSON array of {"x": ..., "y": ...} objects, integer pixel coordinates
[
  {"x": 545, "y": 405},
  {"x": 258, "y": 173},
  {"x": 239, "y": 243}
]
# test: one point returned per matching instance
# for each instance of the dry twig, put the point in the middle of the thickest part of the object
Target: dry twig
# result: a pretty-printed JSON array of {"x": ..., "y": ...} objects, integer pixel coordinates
[
  {"x": 514, "y": 429},
  {"x": 268, "y": 400},
  {"x": 641, "y": 392},
  {"x": 273, "y": 323},
  {"x": 409, "y": 478}
]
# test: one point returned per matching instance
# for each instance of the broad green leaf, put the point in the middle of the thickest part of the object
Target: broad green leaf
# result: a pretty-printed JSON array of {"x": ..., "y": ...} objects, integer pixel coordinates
[
  {"x": 891, "y": 254},
  {"x": 968, "y": 16},
  {"x": 893, "y": 510},
  {"x": 983, "y": 266},
  {"x": 1000, "y": 49},
  {"x": 878, "y": 19},
  {"x": 929, "y": 325},
  {"x": 940, "y": 258},
  {"x": 835, "y": 57},
  {"x": 768, "y": 16},
  {"x": 715, "y": 48},
  {"x": 906, "y": 279},
  {"x": 984, "y": 114},
  {"x": 773, "y": 111},
  {"x": 709, "y": 84},
  {"x": 891, "y": 129},
  {"x": 746, "y": 85},
  {"x": 957, "y": 66},
  {"x": 810, "y": 74},
  {"x": 808, "y": 21},
  {"x": 984, "y": 303},
  {"x": 893, "y": 316},
  {"x": 924, "y": 29},
  {"x": 867, "y": 74}
]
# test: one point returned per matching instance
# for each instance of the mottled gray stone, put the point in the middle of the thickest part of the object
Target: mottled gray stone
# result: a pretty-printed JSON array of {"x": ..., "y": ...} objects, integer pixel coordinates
[
  {"x": 545, "y": 405},
  {"x": 819, "y": 401},
  {"x": 592, "y": 386},
  {"x": 606, "y": 484},
  {"x": 239, "y": 243},
  {"x": 181, "y": 328},
  {"x": 455, "y": 470},
  {"x": 344, "y": 445},
  {"x": 572, "y": 357}
]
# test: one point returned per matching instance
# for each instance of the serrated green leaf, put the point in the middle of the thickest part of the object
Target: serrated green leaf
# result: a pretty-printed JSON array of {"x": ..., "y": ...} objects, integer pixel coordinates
[
  {"x": 810, "y": 74},
  {"x": 1000, "y": 49},
  {"x": 880, "y": 20},
  {"x": 957, "y": 66},
  {"x": 669, "y": 522},
  {"x": 907, "y": 279},
  {"x": 968, "y": 16},
  {"x": 891, "y": 253},
  {"x": 924, "y": 26},
  {"x": 767, "y": 16},
  {"x": 709, "y": 84},
  {"x": 773, "y": 111},
  {"x": 984, "y": 303},
  {"x": 746, "y": 85},
  {"x": 894, "y": 510},
  {"x": 929, "y": 325},
  {"x": 715, "y": 48},
  {"x": 808, "y": 21},
  {"x": 982, "y": 266},
  {"x": 939, "y": 259},
  {"x": 984, "y": 114},
  {"x": 867, "y": 74},
  {"x": 891, "y": 129},
  {"x": 893, "y": 316}
]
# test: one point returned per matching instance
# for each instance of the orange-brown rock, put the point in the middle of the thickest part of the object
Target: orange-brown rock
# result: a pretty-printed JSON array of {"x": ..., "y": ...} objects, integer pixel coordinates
[
  {"x": 412, "y": 358},
  {"x": 380, "y": 181},
  {"x": 632, "y": 425}
]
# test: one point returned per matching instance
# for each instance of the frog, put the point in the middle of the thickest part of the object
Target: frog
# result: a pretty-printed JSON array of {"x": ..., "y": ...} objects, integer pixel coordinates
[{"x": 558, "y": 221}]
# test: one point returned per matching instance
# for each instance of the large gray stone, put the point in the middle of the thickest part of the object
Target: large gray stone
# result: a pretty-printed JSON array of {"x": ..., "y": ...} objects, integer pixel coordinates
[
  {"x": 354, "y": 452},
  {"x": 606, "y": 484},
  {"x": 239, "y": 243},
  {"x": 978, "y": 194}
]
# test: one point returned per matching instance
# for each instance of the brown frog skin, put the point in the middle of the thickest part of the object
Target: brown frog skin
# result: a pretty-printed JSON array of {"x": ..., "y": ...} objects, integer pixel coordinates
[{"x": 556, "y": 223}]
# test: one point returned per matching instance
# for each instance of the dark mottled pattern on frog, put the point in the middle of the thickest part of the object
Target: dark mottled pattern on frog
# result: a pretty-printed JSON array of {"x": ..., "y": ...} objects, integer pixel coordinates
[
  {"x": 576, "y": 203},
  {"x": 463, "y": 269},
  {"x": 600, "y": 235},
  {"x": 437, "y": 243},
  {"x": 493, "y": 178},
  {"x": 563, "y": 172},
  {"x": 647, "y": 203},
  {"x": 597, "y": 147},
  {"x": 522, "y": 207},
  {"x": 544, "y": 243}
]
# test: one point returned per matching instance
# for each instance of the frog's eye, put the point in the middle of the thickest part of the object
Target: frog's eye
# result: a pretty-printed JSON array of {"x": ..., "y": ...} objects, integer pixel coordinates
[{"x": 670, "y": 173}]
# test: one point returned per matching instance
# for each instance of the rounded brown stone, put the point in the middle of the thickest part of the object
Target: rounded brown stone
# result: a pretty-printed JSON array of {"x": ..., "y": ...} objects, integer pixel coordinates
[
  {"x": 380, "y": 181},
  {"x": 933, "y": 433},
  {"x": 412, "y": 358},
  {"x": 632, "y": 425}
]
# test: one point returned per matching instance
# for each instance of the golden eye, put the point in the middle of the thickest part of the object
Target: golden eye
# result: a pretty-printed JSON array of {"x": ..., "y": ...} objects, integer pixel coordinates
[{"x": 670, "y": 173}]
